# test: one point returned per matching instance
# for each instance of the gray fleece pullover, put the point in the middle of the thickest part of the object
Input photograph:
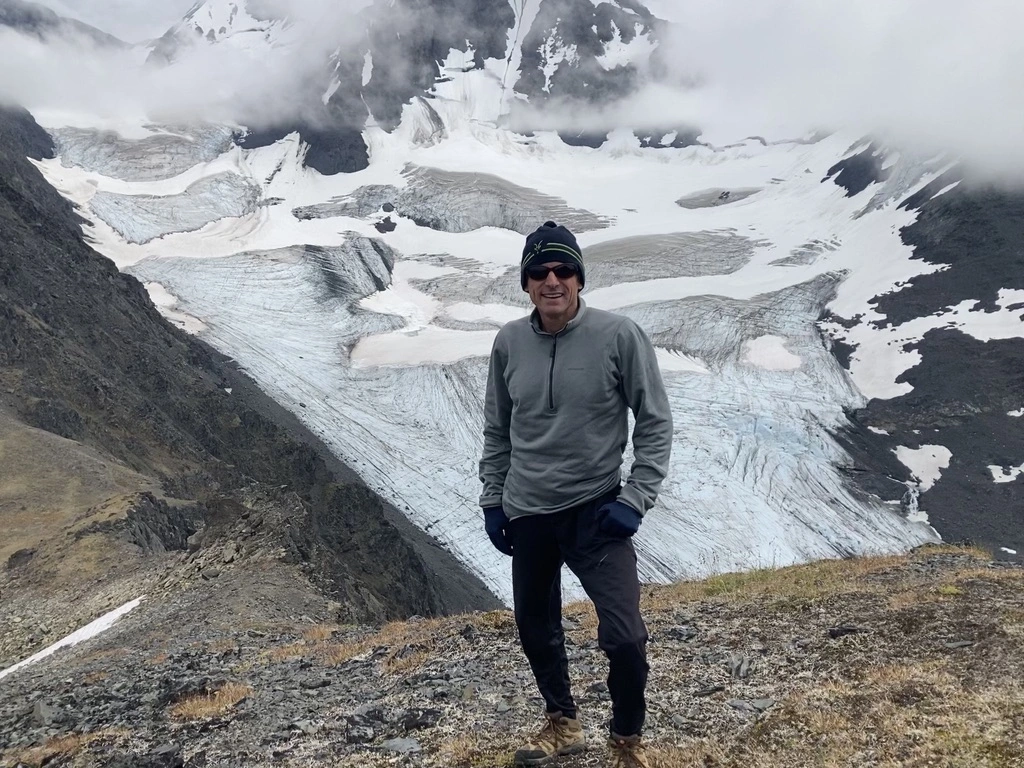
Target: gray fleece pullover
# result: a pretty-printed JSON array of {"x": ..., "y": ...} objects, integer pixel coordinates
[{"x": 555, "y": 416}]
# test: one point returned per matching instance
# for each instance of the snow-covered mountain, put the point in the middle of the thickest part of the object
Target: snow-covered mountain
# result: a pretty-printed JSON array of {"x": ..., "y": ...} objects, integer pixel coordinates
[
  {"x": 238, "y": 24},
  {"x": 842, "y": 357}
]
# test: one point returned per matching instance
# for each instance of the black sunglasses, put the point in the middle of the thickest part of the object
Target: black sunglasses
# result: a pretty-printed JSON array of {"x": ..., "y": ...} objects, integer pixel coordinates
[{"x": 562, "y": 271}]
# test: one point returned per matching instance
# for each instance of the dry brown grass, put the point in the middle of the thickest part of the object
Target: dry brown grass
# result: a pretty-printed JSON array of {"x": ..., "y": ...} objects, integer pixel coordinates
[
  {"x": 898, "y": 715},
  {"x": 202, "y": 706},
  {"x": 319, "y": 633},
  {"x": 60, "y": 747},
  {"x": 823, "y": 578},
  {"x": 49, "y": 483},
  {"x": 407, "y": 658},
  {"x": 409, "y": 644},
  {"x": 469, "y": 751},
  {"x": 287, "y": 652},
  {"x": 1012, "y": 623},
  {"x": 799, "y": 582},
  {"x": 500, "y": 620}
]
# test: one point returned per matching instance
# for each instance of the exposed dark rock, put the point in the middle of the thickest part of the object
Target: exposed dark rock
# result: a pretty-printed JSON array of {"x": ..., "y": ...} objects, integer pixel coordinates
[
  {"x": 592, "y": 139},
  {"x": 408, "y": 40},
  {"x": 857, "y": 172},
  {"x": 19, "y": 558},
  {"x": 842, "y": 630},
  {"x": 56, "y": 416},
  {"x": 978, "y": 231},
  {"x": 561, "y": 24},
  {"x": 153, "y": 525},
  {"x": 331, "y": 150},
  {"x": 963, "y": 388}
]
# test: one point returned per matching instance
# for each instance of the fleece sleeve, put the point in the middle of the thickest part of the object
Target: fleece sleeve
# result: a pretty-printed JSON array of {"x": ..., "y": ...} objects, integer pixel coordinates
[
  {"x": 497, "y": 452},
  {"x": 652, "y": 432}
]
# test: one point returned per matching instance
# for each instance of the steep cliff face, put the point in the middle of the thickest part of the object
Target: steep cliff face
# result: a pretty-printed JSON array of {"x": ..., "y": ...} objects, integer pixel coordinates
[{"x": 85, "y": 355}]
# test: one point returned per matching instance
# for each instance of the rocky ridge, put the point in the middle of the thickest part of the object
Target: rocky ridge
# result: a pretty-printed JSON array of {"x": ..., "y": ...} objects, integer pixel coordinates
[{"x": 910, "y": 660}]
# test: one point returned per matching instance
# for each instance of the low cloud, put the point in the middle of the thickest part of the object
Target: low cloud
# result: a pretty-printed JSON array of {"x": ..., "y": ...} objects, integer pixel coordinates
[
  {"x": 236, "y": 82},
  {"x": 131, "y": 20},
  {"x": 931, "y": 75},
  {"x": 928, "y": 75}
]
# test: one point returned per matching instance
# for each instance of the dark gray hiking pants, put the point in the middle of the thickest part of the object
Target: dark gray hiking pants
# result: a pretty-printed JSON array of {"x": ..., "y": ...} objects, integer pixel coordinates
[{"x": 606, "y": 567}]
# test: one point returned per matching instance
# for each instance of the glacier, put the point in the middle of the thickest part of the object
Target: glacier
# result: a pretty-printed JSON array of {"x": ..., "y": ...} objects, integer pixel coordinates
[
  {"x": 366, "y": 302},
  {"x": 378, "y": 341}
]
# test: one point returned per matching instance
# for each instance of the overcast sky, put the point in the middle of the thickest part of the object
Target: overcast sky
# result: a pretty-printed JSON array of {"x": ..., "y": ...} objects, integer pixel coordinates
[
  {"x": 933, "y": 73},
  {"x": 131, "y": 20}
]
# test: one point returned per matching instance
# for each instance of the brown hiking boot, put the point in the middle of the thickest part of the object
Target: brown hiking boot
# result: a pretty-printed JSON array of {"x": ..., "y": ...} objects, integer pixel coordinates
[
  {"x": 627, "y": 752},
  {"x": 559, "y": 736}
]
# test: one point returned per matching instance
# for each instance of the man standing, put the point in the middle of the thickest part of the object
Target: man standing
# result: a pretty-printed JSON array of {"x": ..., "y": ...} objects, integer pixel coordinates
[{"x": 558, "y": 390}]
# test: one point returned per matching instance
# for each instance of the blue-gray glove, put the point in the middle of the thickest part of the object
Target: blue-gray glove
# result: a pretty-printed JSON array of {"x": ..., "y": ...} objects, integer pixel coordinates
[
  {"x": 618, "y": 519},
  {"x": 496, "y": 525}
]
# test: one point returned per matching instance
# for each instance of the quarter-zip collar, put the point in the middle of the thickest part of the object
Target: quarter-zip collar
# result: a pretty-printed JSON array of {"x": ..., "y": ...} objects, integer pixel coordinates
[
  {"x": 535, "y": 322},
  {"x": 538, "y": 329}
]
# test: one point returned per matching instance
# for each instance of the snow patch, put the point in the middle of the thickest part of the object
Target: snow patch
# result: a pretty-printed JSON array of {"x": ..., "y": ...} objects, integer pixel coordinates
[
  {"x": 946, "y": 189},
  {"x": 367, "y": 68},
  {"x": 882, "y": 354},
  {"x": 770, "y": 353},
  {"x": 877, "y": 431},
  {"x": 1008, "y": 475},
  {"x": 618, "y": 53},
  {"x": 166, "y": 302},
  {"x": 554, "y": 53},
  {"x": 926, "y": 462},
  {"x": 102, "y": 624}
]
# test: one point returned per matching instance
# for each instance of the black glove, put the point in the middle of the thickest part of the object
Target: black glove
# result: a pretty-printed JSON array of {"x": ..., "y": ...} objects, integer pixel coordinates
[
  {"x": 496, "y": 525},
  {"x": 618, "y": 519}
]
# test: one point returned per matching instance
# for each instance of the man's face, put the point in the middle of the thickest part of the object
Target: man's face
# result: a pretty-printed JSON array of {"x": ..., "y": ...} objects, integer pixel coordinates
[{"x": 554, "y": 295}]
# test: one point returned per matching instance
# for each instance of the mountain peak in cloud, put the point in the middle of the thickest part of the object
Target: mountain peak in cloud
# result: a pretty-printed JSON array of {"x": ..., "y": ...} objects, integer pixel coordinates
[{"x": 46, "y": 25}]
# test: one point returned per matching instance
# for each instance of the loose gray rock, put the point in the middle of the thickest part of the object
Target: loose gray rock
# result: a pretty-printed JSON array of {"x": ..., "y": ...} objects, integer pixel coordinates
[
  {"x": 305, "y": 726},
  {"x": 683, "y": 633},
  {"x": 402, "y": 746},
  {"x": 43, "y": 714},
  {"x": 741, "y": 705},
  {"x": 959, "y": 644},
  {"x": 844, "y": 629},
  {"x": 739, "y": 667}
]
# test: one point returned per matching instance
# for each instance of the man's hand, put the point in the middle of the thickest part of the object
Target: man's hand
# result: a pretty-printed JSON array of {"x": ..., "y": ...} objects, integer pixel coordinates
[
  {"x": 496, "y": 525},
  {"x": 618, "y": 520}
]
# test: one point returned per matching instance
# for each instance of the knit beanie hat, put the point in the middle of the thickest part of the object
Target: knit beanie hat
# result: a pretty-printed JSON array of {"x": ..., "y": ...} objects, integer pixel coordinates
[{"x": 551, "y": 242}]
